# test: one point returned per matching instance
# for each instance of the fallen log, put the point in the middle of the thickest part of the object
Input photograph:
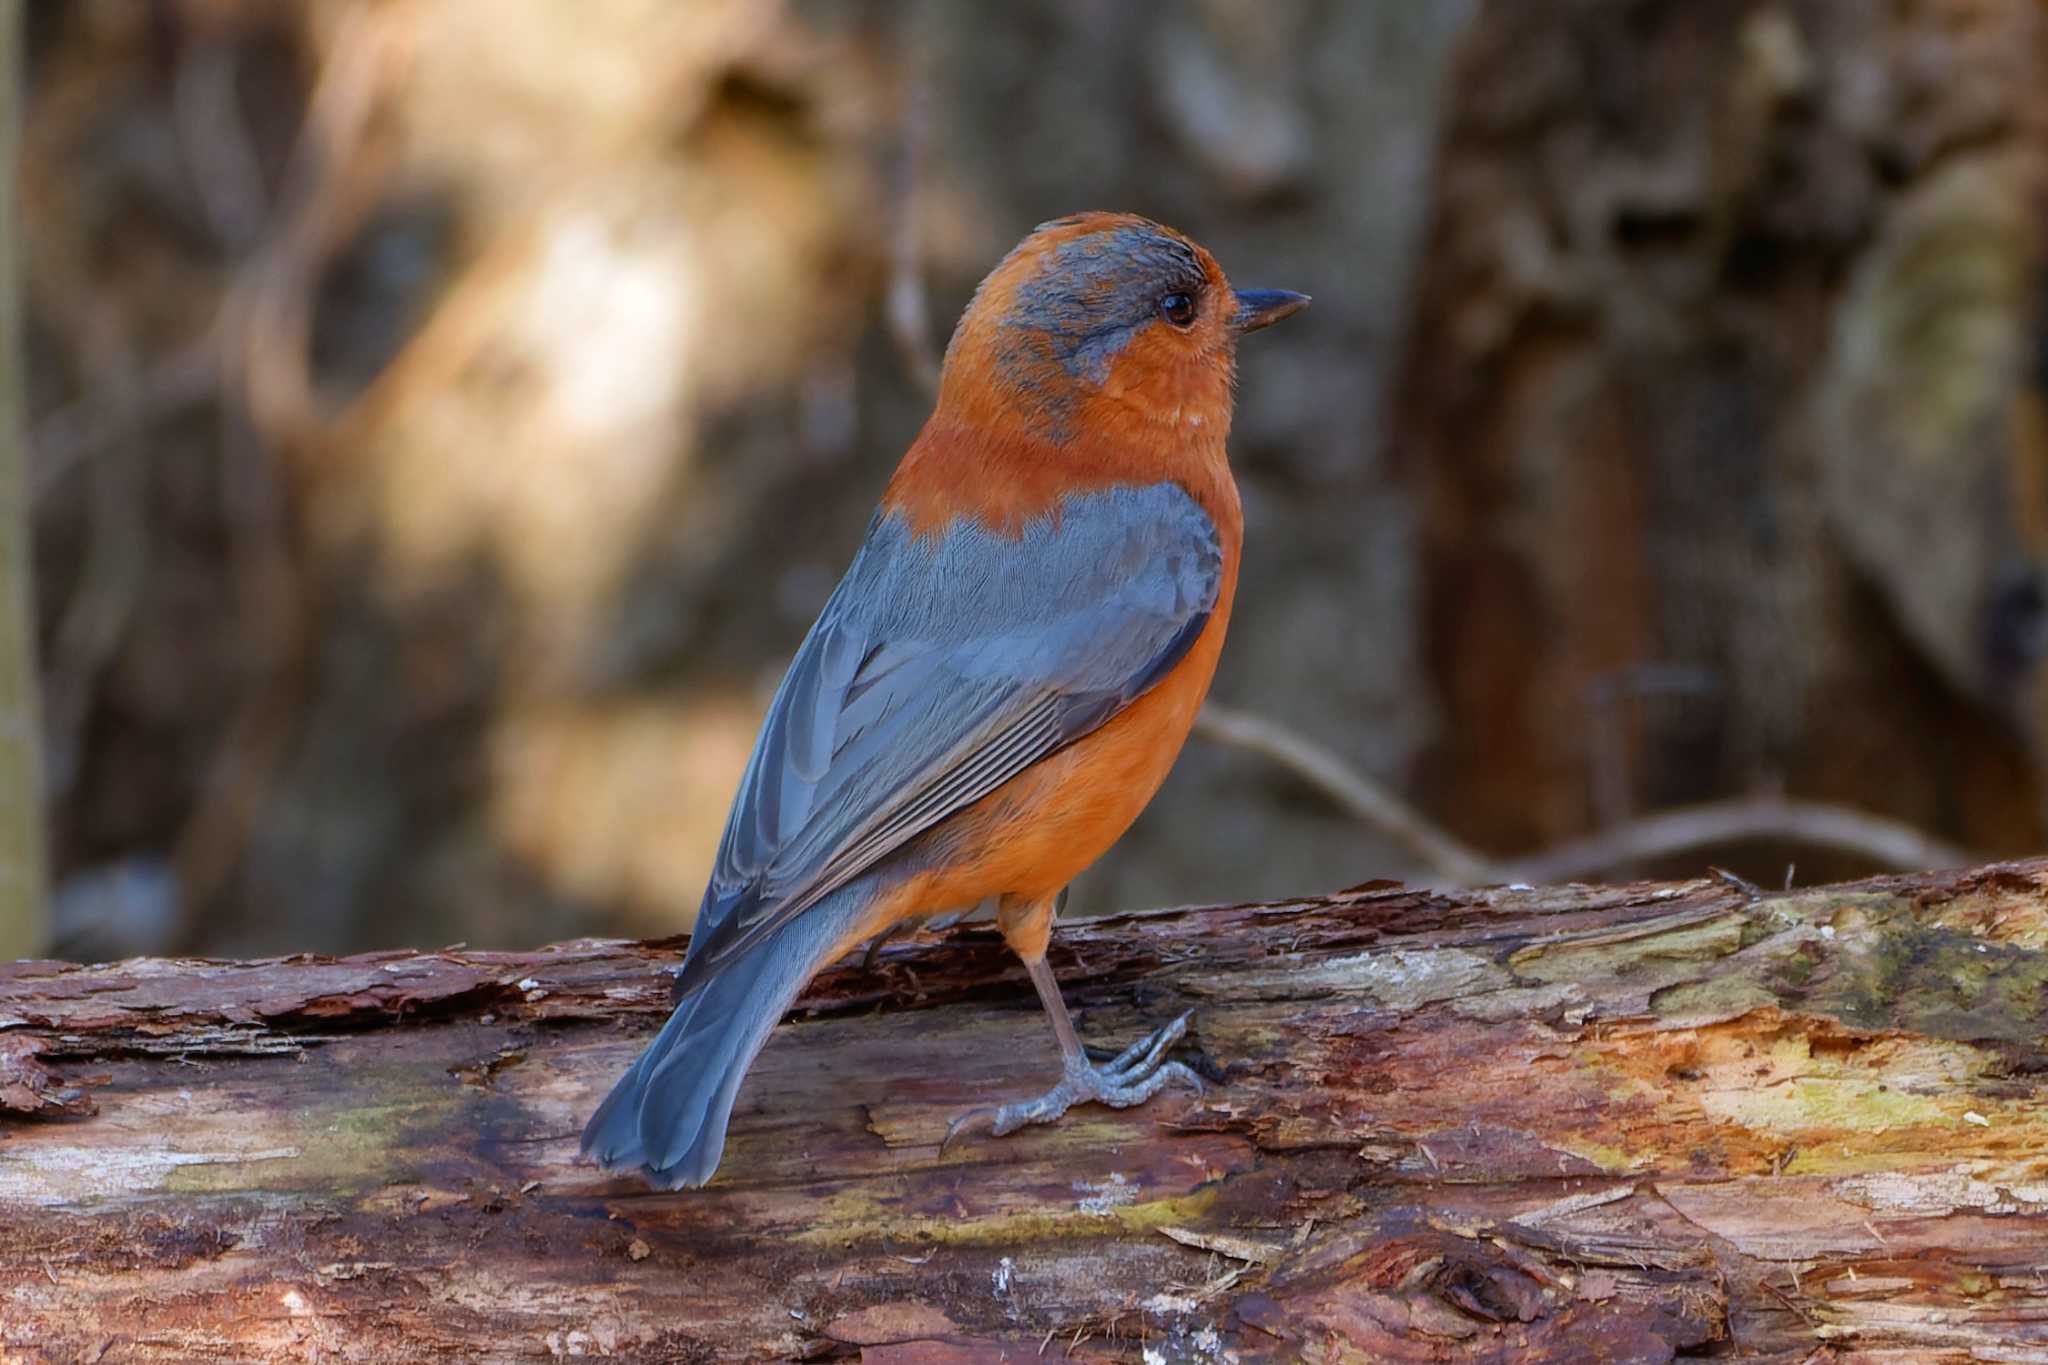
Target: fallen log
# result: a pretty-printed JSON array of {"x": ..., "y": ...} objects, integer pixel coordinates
[{"x": 1618, "y": 1123}]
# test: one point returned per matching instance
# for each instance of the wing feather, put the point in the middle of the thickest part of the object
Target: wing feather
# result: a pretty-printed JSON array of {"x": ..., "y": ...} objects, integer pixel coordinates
[{"x": 941, "y": 668}]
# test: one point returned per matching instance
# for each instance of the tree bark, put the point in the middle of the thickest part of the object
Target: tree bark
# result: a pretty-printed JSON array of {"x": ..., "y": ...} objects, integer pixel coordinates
[{"x": 1582, "y": 1123}]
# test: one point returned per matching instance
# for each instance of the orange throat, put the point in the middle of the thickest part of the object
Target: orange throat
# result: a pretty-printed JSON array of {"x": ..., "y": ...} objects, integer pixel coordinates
[{"x": 986, "y": 463}]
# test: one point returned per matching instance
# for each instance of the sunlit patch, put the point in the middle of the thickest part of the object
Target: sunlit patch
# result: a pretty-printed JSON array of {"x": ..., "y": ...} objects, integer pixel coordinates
[{"x": 622, "y": 802}]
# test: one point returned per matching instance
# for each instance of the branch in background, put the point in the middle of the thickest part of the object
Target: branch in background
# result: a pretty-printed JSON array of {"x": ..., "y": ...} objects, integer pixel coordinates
[
  {"x": 1890, "y": 843},
  {"x": 76, "y": 433},
  {"x": 1374, "y": 806}
]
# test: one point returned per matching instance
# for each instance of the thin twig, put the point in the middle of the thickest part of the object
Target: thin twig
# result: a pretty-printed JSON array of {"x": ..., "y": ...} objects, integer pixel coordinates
[
  {"x": 77, "y": 432},
  {"x": 1889, "y": 842},
  {"x": 1372, "y": 803}
]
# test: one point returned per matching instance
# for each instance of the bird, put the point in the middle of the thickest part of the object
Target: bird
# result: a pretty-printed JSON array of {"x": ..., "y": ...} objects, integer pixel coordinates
[{"x": 998, "y": 685}]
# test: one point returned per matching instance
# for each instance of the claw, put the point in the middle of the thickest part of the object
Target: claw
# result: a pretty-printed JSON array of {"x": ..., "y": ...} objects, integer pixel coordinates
[
  {"x": 1134, "y": 1076},
  {"x": 1142, "y": 1056},
  {"x": 982, "y": 1119}
]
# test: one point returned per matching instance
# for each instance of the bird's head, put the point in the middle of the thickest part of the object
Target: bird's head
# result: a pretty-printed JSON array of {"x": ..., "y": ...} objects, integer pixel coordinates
[{"x": 1103, "y": 320}]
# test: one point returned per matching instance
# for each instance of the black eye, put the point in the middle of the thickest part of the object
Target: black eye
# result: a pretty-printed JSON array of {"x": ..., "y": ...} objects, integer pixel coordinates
[{"x": 1177, "y": 308}]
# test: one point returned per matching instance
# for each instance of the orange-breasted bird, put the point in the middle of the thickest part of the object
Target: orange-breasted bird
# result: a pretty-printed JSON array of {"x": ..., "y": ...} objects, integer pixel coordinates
[{"x": 1000, "y": 682}]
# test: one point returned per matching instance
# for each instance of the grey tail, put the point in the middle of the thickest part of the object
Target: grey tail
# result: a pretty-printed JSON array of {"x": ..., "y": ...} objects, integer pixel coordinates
[{"x": 667, "y": 1115}]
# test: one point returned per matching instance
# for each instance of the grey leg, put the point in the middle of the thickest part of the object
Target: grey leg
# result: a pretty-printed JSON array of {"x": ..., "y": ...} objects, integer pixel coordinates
[{"x": 1132, "y": 1077}]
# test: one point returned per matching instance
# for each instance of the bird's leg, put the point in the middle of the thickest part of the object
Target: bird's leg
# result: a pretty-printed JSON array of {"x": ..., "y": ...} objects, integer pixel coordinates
[
  {"x": 935, "y": 923},
  {"x": 875, "y": 944},
  {"x": 1133, "y": 1076}
]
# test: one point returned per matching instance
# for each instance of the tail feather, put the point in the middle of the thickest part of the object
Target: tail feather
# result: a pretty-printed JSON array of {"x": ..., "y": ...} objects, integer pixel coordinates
[{"x": 667, "y": 1115}]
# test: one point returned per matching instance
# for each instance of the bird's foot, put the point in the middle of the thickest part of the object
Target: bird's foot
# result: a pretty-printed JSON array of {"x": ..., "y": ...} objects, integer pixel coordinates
[{"x": 1133, "y": 1076}]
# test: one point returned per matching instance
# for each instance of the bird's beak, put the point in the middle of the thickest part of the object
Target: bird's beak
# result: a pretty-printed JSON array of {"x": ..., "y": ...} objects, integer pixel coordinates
[{"x": 1258, "y": 308}]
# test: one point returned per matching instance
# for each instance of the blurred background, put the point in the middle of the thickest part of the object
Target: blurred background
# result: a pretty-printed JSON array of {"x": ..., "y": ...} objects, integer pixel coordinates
[{"x": 444, "y": 417}]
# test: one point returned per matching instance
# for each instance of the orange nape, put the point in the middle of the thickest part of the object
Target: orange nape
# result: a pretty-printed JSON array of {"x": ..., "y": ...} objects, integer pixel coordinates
[{"x": 1019, "y": 426}]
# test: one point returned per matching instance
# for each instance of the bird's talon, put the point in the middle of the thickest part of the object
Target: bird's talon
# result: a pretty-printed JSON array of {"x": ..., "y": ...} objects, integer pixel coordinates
[
  {"x": 983, "y": 1118},
  {"x": 1133, "y": 1077},
  {"x": 1139, "y": 1059}
]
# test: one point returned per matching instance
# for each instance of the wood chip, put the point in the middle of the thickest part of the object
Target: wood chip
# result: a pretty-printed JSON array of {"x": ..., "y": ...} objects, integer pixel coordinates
[{"x": 1225, "y": 1244}]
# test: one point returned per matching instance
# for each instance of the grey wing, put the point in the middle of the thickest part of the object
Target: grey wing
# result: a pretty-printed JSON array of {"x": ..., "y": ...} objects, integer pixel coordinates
[{"x": 941, "y": 668}]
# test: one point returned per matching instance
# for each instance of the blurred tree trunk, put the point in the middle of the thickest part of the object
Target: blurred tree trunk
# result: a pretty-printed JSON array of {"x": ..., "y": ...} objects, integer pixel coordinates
[
  {"x": 1724, "y": 403},
  {"x": 22, "y": 923}
]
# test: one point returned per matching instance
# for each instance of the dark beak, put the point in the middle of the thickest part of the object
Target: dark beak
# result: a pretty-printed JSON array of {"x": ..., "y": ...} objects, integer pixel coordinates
[{"x": 1258, "y": 308}]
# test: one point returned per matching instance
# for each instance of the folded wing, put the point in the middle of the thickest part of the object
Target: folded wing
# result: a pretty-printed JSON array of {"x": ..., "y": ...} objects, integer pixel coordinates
[{"x": 942, "y": 667}]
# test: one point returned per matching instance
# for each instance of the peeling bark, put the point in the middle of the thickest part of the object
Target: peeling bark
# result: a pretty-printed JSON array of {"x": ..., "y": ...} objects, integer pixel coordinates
[{"x": 1581, "y": 1123}]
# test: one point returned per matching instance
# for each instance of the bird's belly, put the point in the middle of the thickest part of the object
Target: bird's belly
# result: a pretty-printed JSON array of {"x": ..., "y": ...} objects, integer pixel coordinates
[{"x": 1042, "y": 828}]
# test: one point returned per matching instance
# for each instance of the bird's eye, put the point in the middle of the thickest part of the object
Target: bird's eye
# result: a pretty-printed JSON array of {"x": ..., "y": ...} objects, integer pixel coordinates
[{"x": 1178, "y": 309}]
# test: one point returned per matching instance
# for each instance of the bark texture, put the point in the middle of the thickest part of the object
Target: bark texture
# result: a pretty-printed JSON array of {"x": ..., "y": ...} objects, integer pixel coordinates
[{"x": 1623, "y": 1123}]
